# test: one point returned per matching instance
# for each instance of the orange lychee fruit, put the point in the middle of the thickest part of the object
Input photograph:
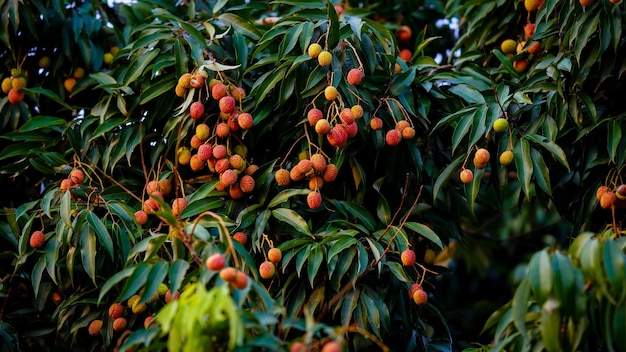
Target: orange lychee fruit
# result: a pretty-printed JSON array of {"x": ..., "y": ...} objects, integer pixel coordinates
[
  {"x": 15, "y": 96},
  {"x": 241, "y": 281},
  {"x": 178, "y": 206},
  {"x": 466, "y": 176},
  {"x": 241, "y": 237},
  {"x": 420, "y": 297},
  {"x": 77, "y": 176},
  {"x": 94, "y": 327},
  {"x": 404, "y": 33},
  {"x": 407, "y": 257},
  {"x": 314, "y": 115},
  {"x": 330, "y": 173},
  {"x": 274, "y": 255},
  {"x": 215, "y": 262},
  {"x": 330, "y": 93},
  {"x": 228, "y": 274},
  {"x": 355, "y": 76},
  {"x": 481, "y": 158},
  {"x": 282, "y": 177},
  {"x": 219, "y": 90},
  {"x": 376, "y": 123},
  {"x": 393, "y": 137},
  {"x": 245, "y": 120},
  {"x": 196, "y": 110},
  {"x": 322, "y": 126},
  {"x": 246, "y": 183},
  {"x": 608, "y": 200},
  {"x": 119, "y": 324},
  {"x": 314, "y": 200},
  {"x": 267, "y": 270},
  {"x": 37, "y": 239},
  {"x": 314, "y": 50}
]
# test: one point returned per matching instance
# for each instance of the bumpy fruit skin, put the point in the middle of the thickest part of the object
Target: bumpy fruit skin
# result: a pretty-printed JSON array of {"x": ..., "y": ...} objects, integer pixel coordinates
[
  {"x": 331, "y": 346},
  {"x": 601, "y": 190},
  {"x": 65, "y": 184},
  {"x": 314, "y": 50},
  {"x": 228, "y": 177},
  {"x": 316, "y": 182},
  {"x": 324, "y": 58},
  {"x": 196, "y": 110},
  {"x": 196, "y": 163},
  {"x": 169, "y": 297},
  {"x": 346, "y": 116},
  {"x": 420, "y": 297},
  {"x": 529, "y": 30},
  {"x": 219, "y": 90},
  {"x": 119, "y": 324},
  {"x": 414, "y": 287},
  {"x": 180, "y": 91},
  {"x": 322, "y": 126},
  {"x": 401, "y": 125},
  {"x": 227, "y": 104},
  {"x": 241, "y": 237},
  {"x": 466, "y": 176},
  {"x": 407, "y": 257},
  {"x": 197, "y": 81},
  {"x": 357, "y": 111},
  {"x": 298, "y": 347},
  {"x": 245, "y": 121},
  {"x": 481, "y": 158},
  {"x": 620, "y": 192},
  {"x": 393, "y": 137},
  {"x": 238, "y": 93},
  {"x": 184, "y": 156},
  {"x": 215, "y": 262},
  {"x": 222, "y": 130},
  {"x": 506, "y": 158},
  {"x": 205, "y": 152},
  {"x": 314, "y": 115},
  {"x": 241, "y": 281},
  {"x": 94, "y": 327},
  {"x": 267, "y": 270},
  {"x": 330, "y": 93},
  {"x": 355, "y": 76},
  {"x": 37, "y": 239},
  {"x": 274, "y": 255},
  {"x": 408, "y": 133},
  {"x": 219, "y": 151},
  {"x": 282, "y": 177},
  {"x": 337, "y": 136},
  {"x": 318, "y": 162},
  {"x": 77, "y": 177},
  {"x": 15, "y": 96},
  {"x": 6, "y": 85},
  {"x": 330, "y": 173},
  {"x": 534, "y": 48},
  {"x": 178, "y": 205},
  {"x": 500, "y": 124},
  {"x": 147, "y": 321},
  {"x": 246, "y": 183},
  {"x": 314, "y": 200},
  {"x": 376, "y": 123},
  {"x": 608, "y": 200},
  {"x": 404, "y": 33},
  {"x": 508, "y": 46},
  {"x": 520, "y": 65}
]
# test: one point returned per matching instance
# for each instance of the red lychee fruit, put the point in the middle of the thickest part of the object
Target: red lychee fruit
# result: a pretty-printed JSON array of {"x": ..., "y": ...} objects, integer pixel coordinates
[
  {"x": 408, "y": 133},
  {"x": 178, "y": 205},
  {"x": 608, "y": 200},
  {"x": 76, "y": 176},
  {"x": 330, "y": 173},
  {"x": 169, "y": 297},
  {"x": 337, "y": 136},
  {"x": 376, "y": 123},
  {"x": 205, "y": 152},
  {"x": 404, "y": 33},
  {"x": 267, "y": 270},
  {"x": 314, "y": 115},
  {"x": 196, "y": 110},
  {"x": 274, "y": 255},
  {"x": 355, "y": 76},
  {"x": 219, "y": 91},
  {"x": 314, "y": 200},
  {"x": 219, "y": 151},
  {"x": 215, "y": 262},
  {"x": 94, "y": 327},
  {"x": 228, "y": 274},
  {"x": 119, "y": 324},
  {"x": 16, "y": 96},
  {"x": 331, "y": 346},
  {"x": 282, "y": 177},
  {"x": 222, "y": 165},
  {"x": 222, "y": 130},
  {"x": 141, "y": 217},
  {"x": 466, "y": 176},
  {"x": 393, "y": 137},
  {"x": 116, "y": 310},
  {"x": 318, "y": 162},
  {"x": 408, "y": 257},
  {"x": 351, "y": 129},
  {"x": 37, "y": 239},
  {"x": 227, "y": 104},
  {"x": 481, "y": 158},
  {"x": 245, "y": 120},
  {"x": 420, "y": 297},
  {"x": 195, "y": 142},
  {"x": 241, "y": 237},
  {"x": 241, "y": 281},
  {"x": 246, "y": 183},
  {"x": 238, "y": 93},
  {"x": 228, "y": 177},
  {"x": 316, "y": 182},
  {"x": 197, "y": 81},
  {"x": 346, "y": 116},
  {"x": 196, "y": 163}
]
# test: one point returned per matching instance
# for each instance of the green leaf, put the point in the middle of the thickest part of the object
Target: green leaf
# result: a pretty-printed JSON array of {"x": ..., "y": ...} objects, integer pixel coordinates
[
  {"x": 102, "y": 232},
  {"x": 333, "y": 27},
  {"x": 114, "y": 280},
  {"x": 519, "y": 306},
  {"x": 540, "y": 276},
  {"x": 445, "y": 175},
  {"x": 315, "y": 261},
  {"x": 425, "y": 231},
  {"x": 540, "y": 170},
  {"x": 284, "y": 196},
  {"x": 614, "y": 264},
  {"x": 564, "y": 282},
  {"x": 51, "y": 95},
  {"x": 340, "y": 245},
  {"x": 64, "y": 209},
  {"x": 397, "y": 271},
  {"x": 614, "y": 138},
  {"x": 177, "y": 273},
  {"x": 551, "y": 329},
  {"x": 200, "y": 206},
  {"x": 468, "y": 93},
  {"x": 41, "y": 122},
  {"x": 155, "y": 278},
  {"x": 524, "y": 165},
  {"x": 138, "y": 65},
  {"x": 402, "y": 81},
  {"x": 550, "y": 146},
  {"x": 292, "y": 218},
  {"x": 136, "y": 281},
  {"x": 241, "y": 25},
  {"x": 88, "y": 252},
  {"x": 505, "y": 62}
]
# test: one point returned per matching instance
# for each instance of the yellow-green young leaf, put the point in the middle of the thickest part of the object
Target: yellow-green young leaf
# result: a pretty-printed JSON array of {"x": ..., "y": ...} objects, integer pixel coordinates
[
  {"x": 551, "y": 328},
  {"x": 540, "y": 276},
  {"x": 519, "y": 306}
]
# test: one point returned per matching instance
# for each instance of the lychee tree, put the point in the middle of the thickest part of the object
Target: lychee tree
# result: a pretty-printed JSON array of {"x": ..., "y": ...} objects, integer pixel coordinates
[{"x": 299, "y": 174}]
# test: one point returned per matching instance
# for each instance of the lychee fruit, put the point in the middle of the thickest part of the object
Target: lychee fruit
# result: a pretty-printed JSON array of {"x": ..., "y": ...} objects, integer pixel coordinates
[
  {"x": 215, "y": 262},
  {"x": 196, "y": 110},
  {"x": 357, "y": 111},
  {"x": 420, "y": 297},
  {"x": 306, "y": 166},
  {"x": 393, "y": 137},
  {"x": 184, "y": 156},
  {"x": 534, "y": 48},
  {"x": 520, "y": 65},
  {"x": 227, "y": 104},
  {"x": 405, "y": 54},
  {"x": 408, "y": 133},
  {"x": 197, "y": 81},
  {"x": 282, "y": 177},
  {"x": 267, "y": 270},
  {"x": 219, "y": 151},
  {"x": 235, "y": 191},
  {"x": 404, "y": 33},
  {"x": 608, "y": 199},
  {"x": 407, "y": 257},
  {"x": 346, "y": 116},
  {"x": 351, "y": 129},
  {"x": 322, "y": 126},
  {"x": 251, "y": 169},
  {"x": 147, "y": 321},
  {"x": 119, "y": 324},
  {"x": 205, "y": 152},
  {"x": 178, "y": 205},
  {"x": 330, "y": 173},
  {"x": 195, "y": 142},
  {"x": 196, "y": 163},
  {"x": 402, "y": 124},
  {"x": 219, "y": 91},
  {"x": 37, "y": 239},
  {"x": 65, "y": 184},
  {"x": 466, "y": 176},
  {"x": 180, "y": 91},
  {"x": 355, "y": 76},
  {"x": 238, "y": 93},
  {"x": 337, "y": 136},
  {"x": 185, "y": 80},
  {"x": 228, "y": 177},
  {"x": 531, "y": 5},
  {"x": 314, "y": 115},
  {"x": 228, "y": 274},
  {"x": 601, "y": 190},
  {"x": 481, "y": 158},
  {"x": 324, "y": 58},
  {"x": 506, "y": 158},
  {"x": 314, "y": 50},
  {"x": 236, "y": 162},
  {"x": 331, "y": 346},
  {"x": 241, "y": 281},
  {"x": 414, "y": 287},
  {"x": 246, "y": 183},
  {"x": 241, "y": 237},
  {"x": 16, "y": 96},
  {"x": 222, "y": 129},
  {"x": 529, "y": 30},
  {"x": 508, "y": 46},
  {"x": 318, "y": 162},
  {"x": 376, "y": 123},
  {"x": 330, "y": 93},
  {"x": 314, "y": 200},
  {"x": 274, "y": 255},
  {"x": 77, "y": 176},
  {"x": 245, "y": 120},
  {"x": 169, "y": 297},
  {"x": 116, "y": 310},
  {"x": 316, "y": 182},
  {"x": 222, "y": 165},
  {"x": 94, "y": 327},
  {"x": 296, "y": 174},
  {"x": 500, "y": 124}
]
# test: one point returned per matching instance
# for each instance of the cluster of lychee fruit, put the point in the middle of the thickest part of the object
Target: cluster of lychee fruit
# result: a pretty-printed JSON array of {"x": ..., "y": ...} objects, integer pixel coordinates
[
  {"x": 482, "y": 155},
  {"x": 209, "y": 147},
  {"x": 118, "y": 313},
  {"x": 14, "y": 86},
  {"x": 316, "y": 169},
  {"x": 402, "y": 130},
  {"x": 71, "y": 81},
  {"x": 235, "y": 277},
  {"x": 612, "y": 197},
  {"x": 417, "y": 293},
  {"x": 159, "y": 189},
  {"x": 524, "y": 49}
]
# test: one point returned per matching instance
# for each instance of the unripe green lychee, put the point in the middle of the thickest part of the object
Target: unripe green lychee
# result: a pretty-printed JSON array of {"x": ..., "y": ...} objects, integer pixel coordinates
[
  {"x": 500, "y": 124},
  {"x": 407, "y": 257},
  {"x": 162, "y": 289},
  {"x": 139, "y": 308},
  {"x": 314, "y": 50},
  {"x": 330, "y": 93},
  {"x": 324, "y": 58},
  {"x": 267, "y": 270}
]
